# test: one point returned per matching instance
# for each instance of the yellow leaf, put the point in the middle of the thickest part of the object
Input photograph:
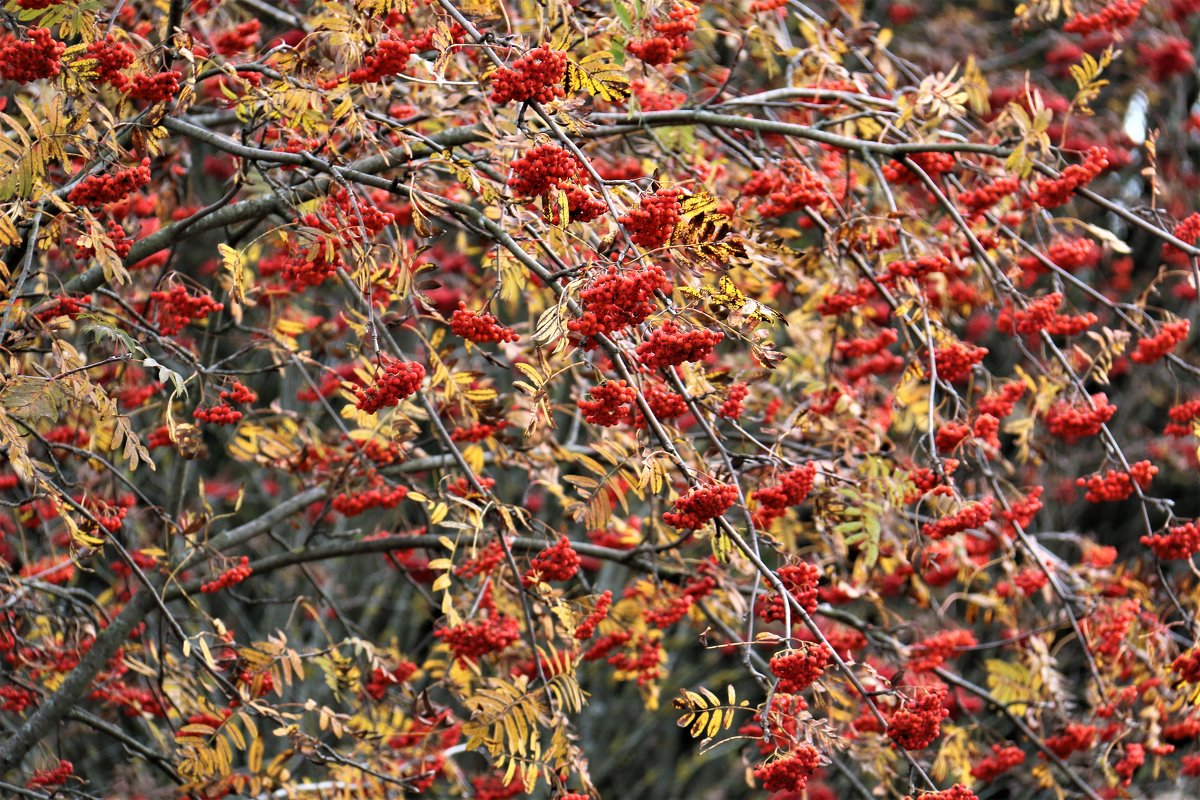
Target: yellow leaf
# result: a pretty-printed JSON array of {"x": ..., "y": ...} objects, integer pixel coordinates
[{"x": 598, "y": 76}]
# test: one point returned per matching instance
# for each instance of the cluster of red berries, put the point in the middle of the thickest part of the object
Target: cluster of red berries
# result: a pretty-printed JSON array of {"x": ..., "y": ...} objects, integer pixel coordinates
[
  {"x": 230, "y": 577},
  {"x": 664, "y": 404},
  {"x": 64, "y": 306},
  {"x": 734, "y": 404},
  {"x": 1183, "y": 416},
  {"x": 986, "y": 429},
  {"x": 916, "y": 269},
  {"x": 1167, "y": 58},
  {"x": 389, "y": 58},
  {"x": 55, "y": 776},
  {"x": 542, "y": 169},
  {"x": 916, "y": 724},
  {"x": 1110, "y": 625},
  {"x": 787, "y": 188},
  {"x": 1070, "y": 254},
  {"x": 545, "y": 169},
  {"x": 315, "y": 267},
  {"x": 32, "y": 59},
  {"x": 15, "y": 699},
  {"x": 1184, "y": 731},
  {"x": 1037, "y": 317},
  {"x": 219, "y": 414},
  {"x": 1179, "y": 543},
  {"x": 160, "y": 87},
  {"x": 351, "y": 504},
  {"x": 836, "y": 303},
  {"x": 176, "y": 308},
  {"x": 609, "y": 403},
  {"x": 1152, "y": 348},
  {"x": 99, "y": 190},
  {"x": 240, "y": 393},
  {"x": 1187, "y": 231},
  {"x": 791, "y": 490},
  {"x": 382, "y": 678},
  {"x": 1021, "y": 512},
  {"x": 108, "y": 516},
  {"x": 878, "y": 364},
  {"x": 493, "y": 787},
  {"x": 971, "y": 516},
  {"x": 932, "y": 164},
  {"x": 668, "y": 611},
  {"x": 669, "y": 346},
  {"x": 781, "y": 724},
  {"x": 472, "y": 640},
  {"x": 791, "y": 772},
  {"x": 1117, "y": 14},
  {"x": 118, "y": 242},
  {"x": 478, "y": 432},
  {"x": 926, "y": 480},
  {"x": 800, "y": 581},
  {"x": 1071, "y": 423},
  {"x": 587, "y": 628},
  {"x": 260, "y": 684},
  {"x": 479, "y": 327},
  {"x": 397, "y": 380},
  {"x": 1071, "y": 324},
  {"x": 241, "y": 38},
  {"x": 1187, "y": 666},
  {"x": 933, "y": 651},
  {"x": 582, "y": 206},
  {"x": 490, "y": 556},
  {"x": 1002, "y": 759},
  {"x": 799, "y": 669},
  {"x": 859, "y": 347},
  {"x": 1131, "y": 761},
  {"x": 1001, "y": 403},
  {"x": 651, "y": 224},
  {"x": 979, "y": 200},
  {"x": 37, "y": 5},
  {"x": 699, "y": 506},
  {"x": 955, "y": 792},
  {"x": 1054, "y": 192},
  {"x": 954, "y": 361},
  {"x": 1077, "y": 737},
  {"x": 1116, "y": 485},
  {"x": 618, "y": 299},
  {"x": 50, "y": 569},
  {"x": 536, "y": 76},
  {"x": 950, "y": 435},
  {"x": 112, "y": 58},
  {"x": 558, "y": 562},
  {"x": 671, "y": 38},
  {"x": 462, "y": 487}
]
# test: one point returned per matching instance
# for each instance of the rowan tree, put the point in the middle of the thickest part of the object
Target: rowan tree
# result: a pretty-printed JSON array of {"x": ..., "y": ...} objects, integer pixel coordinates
[{"x": 593, "y": 399}]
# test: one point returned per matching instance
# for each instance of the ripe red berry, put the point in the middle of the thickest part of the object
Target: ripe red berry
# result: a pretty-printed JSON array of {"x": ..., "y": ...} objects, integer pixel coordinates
[
  {"x": 651, "y": 224},
  {"x": 536, "y": 76},
  {"x": 479, "y": 327},
  {"x": 669, "y": 346},
  {"x": 609, "y": 403},
  {"x": 99, "y": 190},
  {"x": 31, "y": 59},
  {"x": 230, "y": 577},
  {"x": 396, "y": 381},
  {"x": 699, "y": 506},
  {"x": 618, "y": 299},
  {"x": 917, "y": 722},
  {"x": 559, "y": 562}
]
